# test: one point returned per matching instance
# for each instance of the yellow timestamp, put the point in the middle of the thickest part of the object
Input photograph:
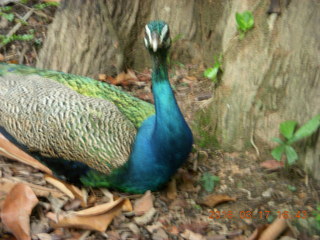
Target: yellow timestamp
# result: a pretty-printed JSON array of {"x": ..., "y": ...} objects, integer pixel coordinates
[{"x": 262, "y": 214}]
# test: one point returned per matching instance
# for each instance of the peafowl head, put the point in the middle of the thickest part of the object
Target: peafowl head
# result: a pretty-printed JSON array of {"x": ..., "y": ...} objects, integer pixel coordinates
[{"x": 157, "y": 36}]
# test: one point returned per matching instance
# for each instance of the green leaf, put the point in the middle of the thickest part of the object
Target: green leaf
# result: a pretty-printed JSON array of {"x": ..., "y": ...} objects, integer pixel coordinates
[
  {"x": 277, "y": 152},
  {"x": 307, "y": 129},
  {"x": 245, "y": 20},
  {"x": 292, "y": 155},
  {"x": 277, "y": 140},
  {"x": 211, "y": 73},
  {"x": 287, "y": 128},
  {"x": 8, "y": 16},
  {"x": 209, "y": 181}
]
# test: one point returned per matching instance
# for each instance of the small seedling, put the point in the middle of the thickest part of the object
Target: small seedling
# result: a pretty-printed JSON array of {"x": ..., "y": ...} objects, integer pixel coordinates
[
  {"x": 5, "y": 12},
  {"x": 209, "y": 181},
  {"x": 287, "y": 130},
  {"x": 212, "y": 73},
  {"x": 245, "y": 22}
]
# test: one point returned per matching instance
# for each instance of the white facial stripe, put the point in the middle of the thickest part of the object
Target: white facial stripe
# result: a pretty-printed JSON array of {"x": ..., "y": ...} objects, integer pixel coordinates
[
  {"x": 145, "y": 42},
  {"x": 163, "y": 32},
  {"x": 148, "y": 32}
]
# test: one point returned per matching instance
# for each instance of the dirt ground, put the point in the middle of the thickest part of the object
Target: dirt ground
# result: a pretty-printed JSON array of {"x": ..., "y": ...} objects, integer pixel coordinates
[{"x": 248, "y": 197}]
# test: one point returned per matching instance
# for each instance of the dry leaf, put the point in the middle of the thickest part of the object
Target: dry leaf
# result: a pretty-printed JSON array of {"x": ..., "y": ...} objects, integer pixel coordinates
[
  {"x": 16, "y": 210},
  {"x": 272, "y": 165},
  {"x": 143, "y": 204},
  {"x": 6, "y": 184},
  {"x": 1, "y": 58},
  {"x": 127, "y": 206},
  {"x": 96, "y": 218},
  {"x": 215, "y": 199},
  {"x": 172, "y": 190},
  {"x": 274, "y": 230},
  {"x": 100, "y": 209},
  {"x": 257, "y": 233},
  {"x": 102, "y": 77},
  {"x": 187, "y": 234},
  {"x": 69, "y": 189},
  {"x": 9, "y": 150}
]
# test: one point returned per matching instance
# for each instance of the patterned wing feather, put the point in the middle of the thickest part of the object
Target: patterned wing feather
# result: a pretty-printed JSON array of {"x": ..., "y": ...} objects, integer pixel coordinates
[
  {"x": 50, "y": 118},
  {"x": 133, "y": 108}
]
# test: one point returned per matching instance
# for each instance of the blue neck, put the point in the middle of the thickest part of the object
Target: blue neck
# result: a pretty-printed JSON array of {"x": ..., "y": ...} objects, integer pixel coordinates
[{"x": 163, "y": 141}]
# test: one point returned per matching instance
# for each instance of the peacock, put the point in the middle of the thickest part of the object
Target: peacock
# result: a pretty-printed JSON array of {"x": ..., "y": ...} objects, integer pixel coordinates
[{"x": 93, "y": 133}]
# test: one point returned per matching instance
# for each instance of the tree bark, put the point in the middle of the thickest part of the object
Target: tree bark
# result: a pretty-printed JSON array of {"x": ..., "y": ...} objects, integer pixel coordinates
[{"x": 272, "y": 75}]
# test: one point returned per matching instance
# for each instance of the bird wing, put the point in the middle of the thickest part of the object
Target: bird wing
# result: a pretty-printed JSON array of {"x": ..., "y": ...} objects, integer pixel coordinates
[
  {"x": 51, "y": 119},
  {"x": 136, "y": 110}
]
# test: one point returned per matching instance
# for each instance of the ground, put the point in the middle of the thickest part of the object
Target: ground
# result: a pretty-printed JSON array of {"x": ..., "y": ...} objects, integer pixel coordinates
[{"x": 215, "y": 195}]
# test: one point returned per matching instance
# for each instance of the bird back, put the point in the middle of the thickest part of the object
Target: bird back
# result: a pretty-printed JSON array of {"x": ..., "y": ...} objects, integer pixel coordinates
[{"x": 49, "y": 118}]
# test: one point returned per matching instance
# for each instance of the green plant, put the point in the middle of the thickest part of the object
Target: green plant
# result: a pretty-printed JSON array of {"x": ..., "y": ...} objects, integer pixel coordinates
[
  {"x": 23, "y": 37},
  {"x": 287, "y": 129},
  {"x": 209, "y": 181},
  {"x": 41, "y": 6},
  {"x": 245, "y": 22},
  {"x": 316, "y": 213},
  {"x": 212, "y": 73},
  {"x": 5, "y": 12}
]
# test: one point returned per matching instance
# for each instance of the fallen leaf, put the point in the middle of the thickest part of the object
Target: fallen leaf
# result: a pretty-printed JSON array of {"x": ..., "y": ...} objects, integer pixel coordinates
[
  {"x": 172, "y": 190},
  {"x": 272, "y": 165},
  {"x": 9, "y": 150},
  {"x": 16, "y": 210},
  {"x": 125, "y": 79},
  {"x": 6, "y": 184},
  {"x": 102, "y": 77},
  {"x": 145, "y": 218},
  {"x": 187, "y": 234},
  {"x": 187, "y": 181},
  {"x": 215, "y": 199},
  {"x": 143, "y": 204},
  {"x": 196, "y": 227},
  {"x": 127, "y": 206},
  {"x": 257, "y": 232},
  {"x": 96, "y": 218},
  {"x": 1, "y": 58},
  {"x": 274, "y": 230},
  {"x": 173, "y": 230},
  {"x": 100, "y": 209},
  {"x": 70, "y": 190}
]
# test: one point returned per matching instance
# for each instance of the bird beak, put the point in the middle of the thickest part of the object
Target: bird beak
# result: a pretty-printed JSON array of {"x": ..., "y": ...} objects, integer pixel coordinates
[{"x": 154, "y": 42}]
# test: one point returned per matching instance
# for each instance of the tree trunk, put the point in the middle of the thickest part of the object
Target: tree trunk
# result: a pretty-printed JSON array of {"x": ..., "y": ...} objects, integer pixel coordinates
[{"x": 270, "y": 76}]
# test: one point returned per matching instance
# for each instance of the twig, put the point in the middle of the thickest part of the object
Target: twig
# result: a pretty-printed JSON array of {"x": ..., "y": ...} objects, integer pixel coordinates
[
  {"x": 253, "y": 144},
  {"x": 18, "y": 25}
]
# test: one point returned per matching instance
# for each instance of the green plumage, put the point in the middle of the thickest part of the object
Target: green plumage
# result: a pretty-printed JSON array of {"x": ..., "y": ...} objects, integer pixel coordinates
[{"x": 133, "y": 108}]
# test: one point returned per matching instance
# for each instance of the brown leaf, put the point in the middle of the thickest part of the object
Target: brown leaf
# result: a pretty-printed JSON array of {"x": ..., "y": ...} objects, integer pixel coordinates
[
  {"x": 126, "y": 79},
  {"x": 172, "y": 190},
  {"x": 257, "y": 233},
  {"x": 16, "y": 210},
  {"x": 9, "y": 150},
  {"x": 96, "y": 218},
  {"x": 274, "y": 230},
  {"x": 272, "y": 165},
  {"x": 1, "y": 58},
  {"x": 70, "y": 190},
  {"x": 7, "y": 184},
  {"x": 187, "y": 234},
  {"x": 100, "y": 209},
  {"x": 102, "y": 77},
  {"x": 187, "y": 181},
  {"x": 143, "y": 204},
  {"x": 215, "y": 199},
  {"x": 127, "y": 206}
]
